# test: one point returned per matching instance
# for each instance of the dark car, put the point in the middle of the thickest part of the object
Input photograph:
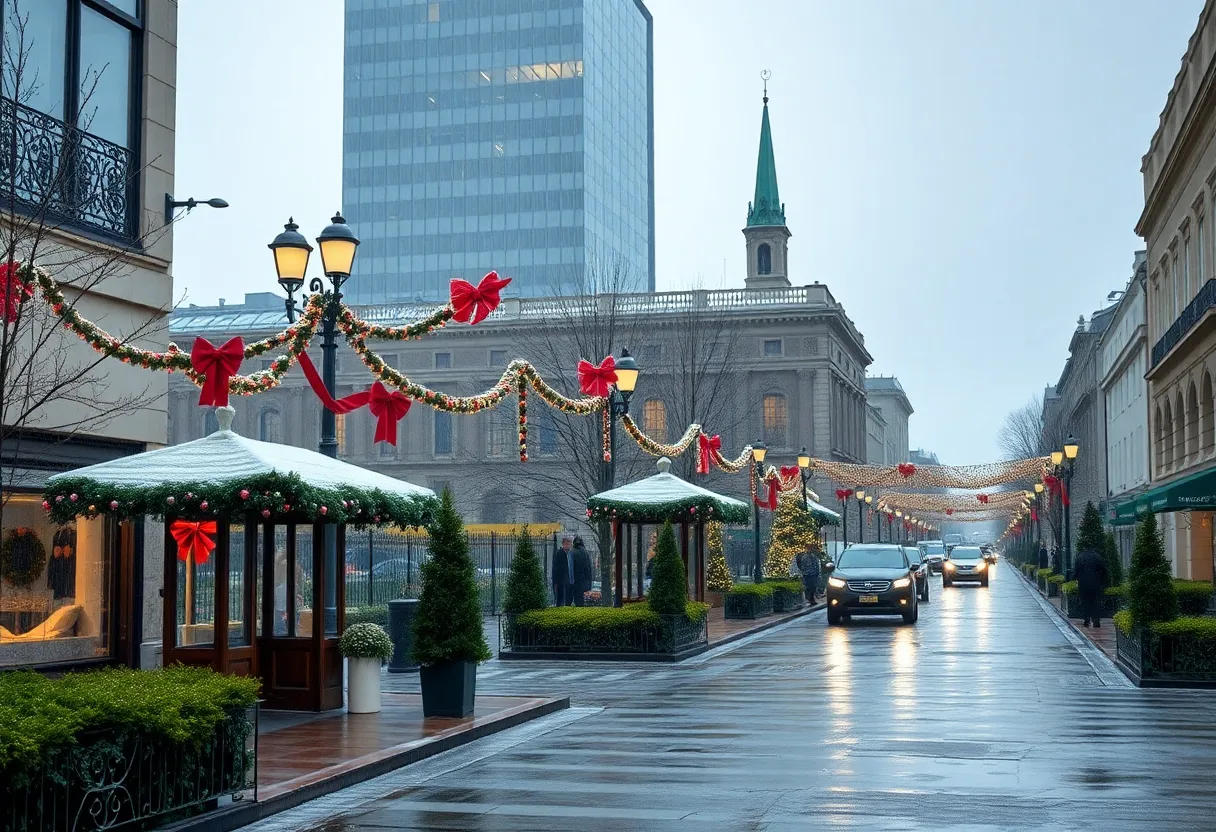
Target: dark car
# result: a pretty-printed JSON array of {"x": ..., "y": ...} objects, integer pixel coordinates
[
  {"x": 872, "y": 579},
  {"x": 921, "y": 567},
  {"x": 934, "y": 552},
  {"x": 965, "y": 563}
]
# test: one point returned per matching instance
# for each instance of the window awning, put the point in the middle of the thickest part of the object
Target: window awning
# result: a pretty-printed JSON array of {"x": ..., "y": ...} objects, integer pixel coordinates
[{"x": 1193, "y": 492}]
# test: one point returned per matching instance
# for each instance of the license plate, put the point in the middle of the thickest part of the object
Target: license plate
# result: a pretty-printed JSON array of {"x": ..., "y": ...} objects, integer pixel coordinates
[{"x": 868, "y": 599}]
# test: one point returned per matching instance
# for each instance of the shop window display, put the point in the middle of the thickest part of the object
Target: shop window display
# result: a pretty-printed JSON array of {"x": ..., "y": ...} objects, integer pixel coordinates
[{"x": 54, "y": 586}]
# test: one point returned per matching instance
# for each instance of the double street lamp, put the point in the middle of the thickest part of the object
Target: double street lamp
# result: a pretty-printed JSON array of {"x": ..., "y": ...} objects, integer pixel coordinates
[
  {"x": 758, "y": 453},
  {"x": 1071, "y": 448},
  {"x": 861, "y": 510},
  {"x": 338, "y": 244}
]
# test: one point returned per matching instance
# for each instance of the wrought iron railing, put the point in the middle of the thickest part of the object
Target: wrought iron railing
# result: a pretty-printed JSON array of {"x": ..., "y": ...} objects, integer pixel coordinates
[
  {"x": 116, "y": 780},
  {"x": 673, "y": 634},
  {"x": 1190, "y": 316},
  {"x": 66, "y": 176},
  {"x": 747, "y": 605},
  {"x": 1178, "y": 658}
]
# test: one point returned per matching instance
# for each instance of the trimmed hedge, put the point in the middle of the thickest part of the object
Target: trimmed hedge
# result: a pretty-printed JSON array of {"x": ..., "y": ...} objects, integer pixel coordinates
[
  {"x": 1193, "y": 596},
  {"x": 764, "y": 589},
  {"x": 1070, "y": 587},
  {"x": 367, "y": 615},
  {"x": 1058, "y": 580},
  {"x": 181, "y": 705},
  {"x": 603, "y": 619},
  {"x": 1199, "y": 627},
  {"x": 1045, "y": 572}
]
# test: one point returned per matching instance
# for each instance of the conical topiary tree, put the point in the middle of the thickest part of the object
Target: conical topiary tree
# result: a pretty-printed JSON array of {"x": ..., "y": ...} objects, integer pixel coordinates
[
  {"x": 1114, "y": 561},
  {"x": 448, "y": 622},
  {"x": 525, "y": 579},
  {"x": 1090, "y": 537},
  {"x": 794, "y": 530},
  {"x": 668, "y": 582},
  {"x": 1150, "y": 591},
  {"x": 717, "y": 573}
]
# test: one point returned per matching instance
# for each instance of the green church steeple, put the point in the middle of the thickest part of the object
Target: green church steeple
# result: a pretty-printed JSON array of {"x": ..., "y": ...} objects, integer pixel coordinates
[{"x": 766, "y": 208}]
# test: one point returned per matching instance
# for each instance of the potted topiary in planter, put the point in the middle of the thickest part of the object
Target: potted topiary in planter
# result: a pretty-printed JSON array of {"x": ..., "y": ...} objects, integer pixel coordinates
[
  {"x": 448, "y": 637},
  {"x": 366, "y": 646}
]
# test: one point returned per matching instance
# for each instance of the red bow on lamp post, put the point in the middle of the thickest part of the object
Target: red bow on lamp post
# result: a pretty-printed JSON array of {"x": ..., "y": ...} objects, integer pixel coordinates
[
  {"x": 389, "y": 409},
  {"x": 16, "y": 291},
  {"x": 194, "y": 541},
  {"x": 473, "y": 304},
  {"x": 217, "y": 366},
  {"x": 709, "y": 445},
  {"x": 774, "y": 492},
  {"x": 595, "y": 380},
  {"x": 843, "y": 494}
]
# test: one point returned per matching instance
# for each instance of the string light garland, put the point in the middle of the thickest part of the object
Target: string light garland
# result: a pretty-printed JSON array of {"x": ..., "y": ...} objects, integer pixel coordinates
[
  {"x": 658, "y": 448},
  {"x": 932, "y": 476},
  {"x": 951, "y": 502}
]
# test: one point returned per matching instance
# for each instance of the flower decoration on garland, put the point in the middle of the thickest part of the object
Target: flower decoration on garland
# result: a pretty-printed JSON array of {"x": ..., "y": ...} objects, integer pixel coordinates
[{"x": 473, "y": 304}]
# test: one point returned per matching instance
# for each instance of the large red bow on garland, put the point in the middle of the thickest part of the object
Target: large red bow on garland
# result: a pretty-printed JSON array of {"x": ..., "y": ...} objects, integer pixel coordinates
[
  {"x": 595, "y": 381},
  {"x": 472, "y": 304},
  {"x": 843, "y": 494},
  {"x": 194, "y": 541},
  {"x": 789, "y": 471},
  {"x": 949, "y": 512},
  {"x": 16, "y": 291},
  {"x": 709, "y": 446},
  {"x": 983, "y": 498},
  {"x": 389, "y": 409},
  {"x": 774, "y": 492},
  {"x": 217, "y": 365},
  {"x": 906, "y": 469}
]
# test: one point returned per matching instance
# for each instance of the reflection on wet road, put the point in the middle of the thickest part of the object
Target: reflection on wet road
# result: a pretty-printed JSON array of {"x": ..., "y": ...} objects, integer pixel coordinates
[{"x": 981, "y": 716}]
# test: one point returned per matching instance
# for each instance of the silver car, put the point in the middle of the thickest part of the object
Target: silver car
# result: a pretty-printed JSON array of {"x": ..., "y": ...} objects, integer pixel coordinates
[{"x": 965, "y": 563}]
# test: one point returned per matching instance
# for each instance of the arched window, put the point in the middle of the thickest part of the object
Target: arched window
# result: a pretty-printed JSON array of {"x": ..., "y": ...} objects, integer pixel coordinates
[
  {"x": 654, "y": 419},
  {"x": 1179, "y": 431},
  {"x": 1205, "y": 414},
  {"x": 548, "y": 433},
  {"x": 1192, "y": 422},
  {"x": 270, "y": 425},
  {"x": 776, "y": 419},
  {"x": 1160, "y": 434},
  {"x": 1167, "y": 435},
  {"x": 210, "y": 423},
  {"x": 764, "y": 259}
]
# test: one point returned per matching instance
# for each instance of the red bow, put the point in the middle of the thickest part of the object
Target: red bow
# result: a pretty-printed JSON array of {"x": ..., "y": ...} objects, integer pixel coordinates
[
  {"x": 843, "y": 494},
  {"x": 949, "y": 512},
  {"x": 593, "y": 380},
  {"x": 789, "y": 471},
  {"x": 906, "y": 469},
  {"x": 472, "y": 304},
  {"x": 774, "y": 492},
  {"x": 983, "y": 498},
  {"x": 388, "y": 408},
  {"x": 193, "y": 539},
  {"x": 16, "y": 291},
  {"x": 710, "y": 445},
  {"x": 1034, "y": 515},
  {"x": 216, "y": 366}
]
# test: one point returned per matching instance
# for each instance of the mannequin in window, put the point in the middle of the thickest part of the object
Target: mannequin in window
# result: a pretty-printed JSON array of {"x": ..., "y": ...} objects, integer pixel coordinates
[{"x": 764, "y": 259}]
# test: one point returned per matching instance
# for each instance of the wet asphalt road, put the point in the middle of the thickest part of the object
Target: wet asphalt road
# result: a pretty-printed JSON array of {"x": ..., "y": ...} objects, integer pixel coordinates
[{"x": 984, "y": 715}]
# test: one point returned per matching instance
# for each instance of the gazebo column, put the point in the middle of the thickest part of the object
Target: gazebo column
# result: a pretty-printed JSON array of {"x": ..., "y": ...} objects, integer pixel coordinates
[
  {"x": 628, "y": 559},
  {"x": 684, "y": 548},
  {"x": 640, "y": 553},
  {"x": 618, "y": 598},
  {"x": 700, "y": 549}
]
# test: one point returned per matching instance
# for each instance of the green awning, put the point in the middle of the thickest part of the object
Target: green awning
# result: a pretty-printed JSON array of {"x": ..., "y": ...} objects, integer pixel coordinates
[{"x": 1193, "y": 492}]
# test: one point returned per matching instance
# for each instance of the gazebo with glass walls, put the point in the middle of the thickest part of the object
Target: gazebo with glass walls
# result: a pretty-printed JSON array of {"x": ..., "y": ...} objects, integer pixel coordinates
[
  {"x": 653, "y": 501},
  {"x": 254, "y": 536}
]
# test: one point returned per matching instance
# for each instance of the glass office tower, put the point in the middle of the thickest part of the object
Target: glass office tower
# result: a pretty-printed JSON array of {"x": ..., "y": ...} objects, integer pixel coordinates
[{"x": 514, "y": 135}]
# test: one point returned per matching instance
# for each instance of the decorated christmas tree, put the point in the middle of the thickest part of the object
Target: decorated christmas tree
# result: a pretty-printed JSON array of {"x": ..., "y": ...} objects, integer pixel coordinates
[
  {"x": 448, "y": 623},
  {"x": 1150, "y": 594},
  {"x": 525, "y": 579},
  {"x": 794, "y": 530},
  {"x": 669, "y": 584},
  {"x": 717, "y": 575}
]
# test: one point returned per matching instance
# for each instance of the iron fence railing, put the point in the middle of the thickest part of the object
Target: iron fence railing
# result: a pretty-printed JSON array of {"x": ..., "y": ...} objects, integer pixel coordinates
[
  {"x": 112, "y": 780},
  {"x": 1177, "y": 658},
  {"x": 65, "y": 175}
]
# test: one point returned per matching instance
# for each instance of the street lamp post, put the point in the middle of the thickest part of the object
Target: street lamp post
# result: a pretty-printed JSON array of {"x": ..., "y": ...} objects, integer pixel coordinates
[
  {"x": 804, "y": 471},
  {"x": 618, "y": 405},
  {"x": 1038, "y": 520},
  {"x": 1071, "y": 447},
  {"x": 758, "y": 452},
  {"x": 338, "y": 244},
  {"x": 1057, "y": 463},
  {"x": 861, "y": 512},
  {"x": 870, "y": 513}
]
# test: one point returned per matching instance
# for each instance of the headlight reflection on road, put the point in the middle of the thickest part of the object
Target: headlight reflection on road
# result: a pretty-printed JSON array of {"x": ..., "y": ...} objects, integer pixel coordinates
[
  {"x": 903, "y": 686},
  {"x": 840, "y": 684}
]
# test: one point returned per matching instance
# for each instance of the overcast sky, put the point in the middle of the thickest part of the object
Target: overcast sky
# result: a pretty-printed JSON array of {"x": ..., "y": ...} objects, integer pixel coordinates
[{"x": 963, "y": 174}]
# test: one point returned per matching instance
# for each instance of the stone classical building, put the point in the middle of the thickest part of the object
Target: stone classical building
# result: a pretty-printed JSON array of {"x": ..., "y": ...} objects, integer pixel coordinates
[
  {"x": 90, "y": 102},
  {"x": 770, "y": 361},
  {"x": 1123, "y": 353},
  {"x": 1179, "y": 172},
  {"x": 887, "y": 396}
]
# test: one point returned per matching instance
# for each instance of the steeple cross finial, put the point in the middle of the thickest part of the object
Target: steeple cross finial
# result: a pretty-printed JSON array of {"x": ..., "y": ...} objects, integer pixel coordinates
[{"x": 764, "y": 76}]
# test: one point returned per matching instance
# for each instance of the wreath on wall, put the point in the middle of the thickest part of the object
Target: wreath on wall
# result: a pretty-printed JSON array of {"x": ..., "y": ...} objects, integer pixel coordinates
[{"x": 22, "y": 557}]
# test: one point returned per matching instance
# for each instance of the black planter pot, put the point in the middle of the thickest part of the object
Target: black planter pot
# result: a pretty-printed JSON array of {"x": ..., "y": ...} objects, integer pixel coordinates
[{"x": 448, "y": 688}]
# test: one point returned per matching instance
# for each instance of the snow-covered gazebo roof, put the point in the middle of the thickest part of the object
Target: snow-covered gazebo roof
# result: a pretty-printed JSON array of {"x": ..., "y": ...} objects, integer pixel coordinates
[
  {"x": 226, "y": 473},
  {"x": 823, "y": 514},
  {"x": 664, "y": 496}
]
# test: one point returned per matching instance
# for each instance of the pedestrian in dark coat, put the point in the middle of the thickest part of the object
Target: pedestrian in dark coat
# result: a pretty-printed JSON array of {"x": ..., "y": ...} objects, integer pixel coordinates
[
  {"x": 807, "y": 564},
  {"x": 562, "y": 576},
  {"x": 582, "y": 571},
  {"x": 1092, "y": 579},
  {"x": 1044, "y": 559}
]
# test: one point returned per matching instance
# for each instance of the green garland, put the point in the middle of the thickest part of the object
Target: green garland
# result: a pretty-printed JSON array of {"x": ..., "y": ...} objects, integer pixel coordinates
[
  {"x": 275, "y": 497},
  {"x": 688, "y": 509},
  {"x": 8, "y": 553}
]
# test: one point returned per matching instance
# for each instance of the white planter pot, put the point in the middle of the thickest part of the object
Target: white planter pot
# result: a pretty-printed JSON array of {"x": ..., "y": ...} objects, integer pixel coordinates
[{"x": 364, "y": 694}]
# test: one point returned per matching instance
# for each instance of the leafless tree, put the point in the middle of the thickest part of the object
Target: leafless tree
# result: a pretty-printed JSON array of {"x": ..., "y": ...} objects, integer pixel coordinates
[
  {"x": 1021, "y": 434},
  {"x": 52, "y": 386}
]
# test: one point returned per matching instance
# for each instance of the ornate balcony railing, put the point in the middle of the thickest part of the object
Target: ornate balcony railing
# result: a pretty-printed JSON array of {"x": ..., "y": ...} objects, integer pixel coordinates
[
  {"x": 1190, "y": 316},
  {"x": 64, "y": 175}
]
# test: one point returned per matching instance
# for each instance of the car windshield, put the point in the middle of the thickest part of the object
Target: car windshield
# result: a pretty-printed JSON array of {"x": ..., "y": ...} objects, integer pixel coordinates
[
  {"x": 864, "y": 557},
  {"x": 966, "y": 553},
  {"x": 933, "y": 548}
]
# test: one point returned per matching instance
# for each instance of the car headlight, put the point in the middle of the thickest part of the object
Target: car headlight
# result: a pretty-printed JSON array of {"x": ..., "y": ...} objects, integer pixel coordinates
[
  {"x": 901, "y": 583},
  {"x": 949, "y": 564},
  {"x": 837, "y": 583},
  {"x": 981, "y": 566}
]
